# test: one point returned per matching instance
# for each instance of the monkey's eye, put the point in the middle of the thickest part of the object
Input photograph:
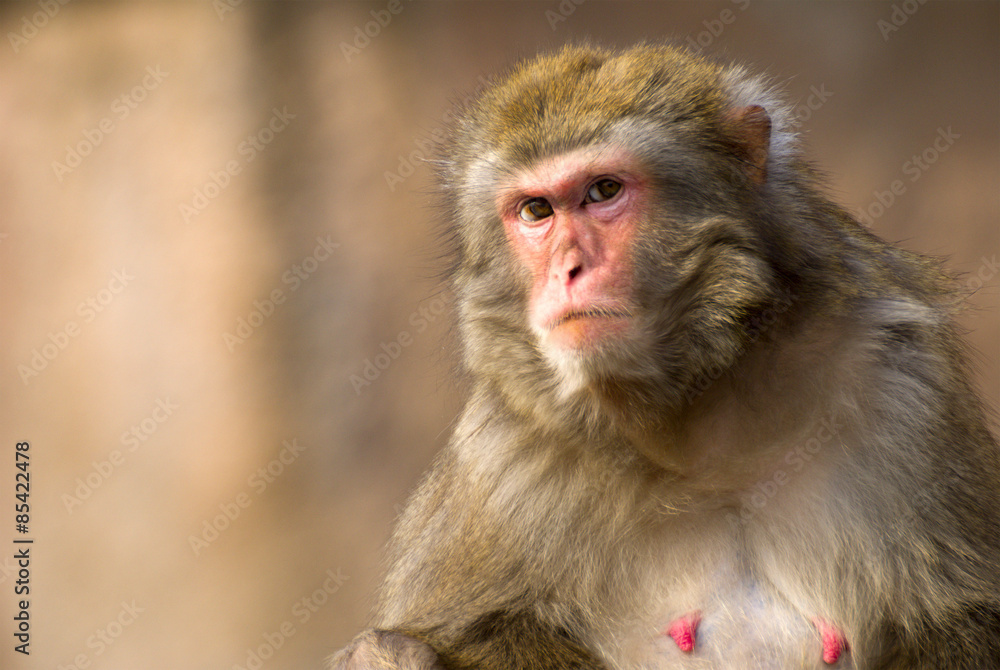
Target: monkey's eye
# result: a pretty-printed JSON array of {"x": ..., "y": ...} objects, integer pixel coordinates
[
  {"x": 535, "y": 210},
  {"x": 601, "y": 190}
]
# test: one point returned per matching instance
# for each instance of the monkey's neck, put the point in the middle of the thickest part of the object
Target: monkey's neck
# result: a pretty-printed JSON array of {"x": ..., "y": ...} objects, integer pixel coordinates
[{"x": 731, "y": 432}]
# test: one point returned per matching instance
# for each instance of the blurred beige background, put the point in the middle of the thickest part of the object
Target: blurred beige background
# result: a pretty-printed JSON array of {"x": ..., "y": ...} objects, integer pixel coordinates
[{"x": 215, "y": 221}]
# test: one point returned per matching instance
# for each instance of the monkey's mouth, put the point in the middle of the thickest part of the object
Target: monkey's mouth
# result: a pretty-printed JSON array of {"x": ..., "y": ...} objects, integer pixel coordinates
[
  {"x": 591, "y": 313},
  {"x": 585, "y": 329}
]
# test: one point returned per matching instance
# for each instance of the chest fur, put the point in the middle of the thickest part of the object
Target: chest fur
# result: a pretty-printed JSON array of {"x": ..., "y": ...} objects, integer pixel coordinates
[{"x": 738, "y": 614}]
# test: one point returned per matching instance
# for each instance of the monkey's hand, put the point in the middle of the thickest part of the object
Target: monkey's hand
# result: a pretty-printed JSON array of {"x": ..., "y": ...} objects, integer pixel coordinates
[{"x": 386, "y": 650}]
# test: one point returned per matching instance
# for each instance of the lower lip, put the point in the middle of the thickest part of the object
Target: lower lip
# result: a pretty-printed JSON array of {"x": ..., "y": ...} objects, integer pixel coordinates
[{"x": 579, "y": 332}]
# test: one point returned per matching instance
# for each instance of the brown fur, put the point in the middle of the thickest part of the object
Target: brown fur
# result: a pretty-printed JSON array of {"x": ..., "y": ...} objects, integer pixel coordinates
[{"x": 567, "y": 516}]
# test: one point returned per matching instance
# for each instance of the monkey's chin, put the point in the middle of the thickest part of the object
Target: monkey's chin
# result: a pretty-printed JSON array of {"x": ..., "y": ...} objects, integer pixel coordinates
[{"x": 583, "y": 351}]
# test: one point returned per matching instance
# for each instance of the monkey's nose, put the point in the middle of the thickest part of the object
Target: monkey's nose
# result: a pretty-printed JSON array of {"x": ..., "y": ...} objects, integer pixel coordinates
[{"x": 574, "y": 272}]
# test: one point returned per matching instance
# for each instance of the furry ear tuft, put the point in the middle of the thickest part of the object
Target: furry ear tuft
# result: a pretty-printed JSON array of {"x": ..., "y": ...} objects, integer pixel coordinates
[{"x": 750, "y": 128}]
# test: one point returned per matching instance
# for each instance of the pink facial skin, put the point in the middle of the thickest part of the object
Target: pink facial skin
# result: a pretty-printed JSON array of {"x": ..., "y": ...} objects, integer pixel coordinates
[{"x": 579, "y": 257}]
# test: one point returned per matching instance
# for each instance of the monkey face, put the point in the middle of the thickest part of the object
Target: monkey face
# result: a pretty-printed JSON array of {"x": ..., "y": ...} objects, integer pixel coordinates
[
  {"x": 571, "y": 221},
  {"x": 605, "y": 250}
]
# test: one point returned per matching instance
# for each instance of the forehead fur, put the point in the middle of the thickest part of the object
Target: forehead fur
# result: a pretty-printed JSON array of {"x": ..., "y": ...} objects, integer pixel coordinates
[
  {"x": 666, "y": 106},
  {"x": 575, "y": 96}
]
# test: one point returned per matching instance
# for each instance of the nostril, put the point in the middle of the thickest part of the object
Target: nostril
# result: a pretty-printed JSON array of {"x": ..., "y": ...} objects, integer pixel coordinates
[{"x": 574, "y": 272}]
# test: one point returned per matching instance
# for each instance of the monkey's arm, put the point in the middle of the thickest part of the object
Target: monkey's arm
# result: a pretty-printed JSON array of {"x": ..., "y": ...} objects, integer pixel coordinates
[
  {"x": 499, "y": 641},
  {"x": 468, "y": 583},
  {"x": 385, "y": 650}
]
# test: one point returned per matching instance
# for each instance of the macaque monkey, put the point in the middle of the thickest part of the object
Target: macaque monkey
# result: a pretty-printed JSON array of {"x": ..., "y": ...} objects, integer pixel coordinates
[{"x": 713, "y": 422}]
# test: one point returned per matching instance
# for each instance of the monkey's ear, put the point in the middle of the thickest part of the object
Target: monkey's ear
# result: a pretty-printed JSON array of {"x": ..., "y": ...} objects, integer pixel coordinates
[{"x": 750, "y": 129}]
